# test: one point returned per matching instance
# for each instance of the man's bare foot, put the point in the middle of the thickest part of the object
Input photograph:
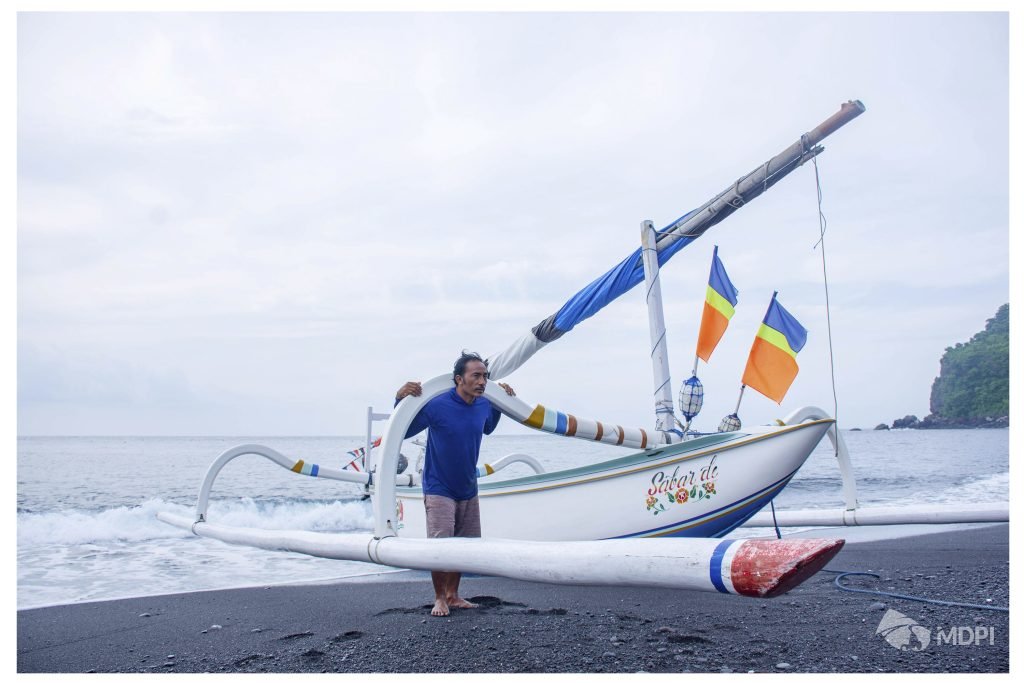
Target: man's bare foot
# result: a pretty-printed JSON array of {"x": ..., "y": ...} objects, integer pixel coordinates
[
  {"x": 459, "y": 603},
  {"x": 440, "y": 608}
]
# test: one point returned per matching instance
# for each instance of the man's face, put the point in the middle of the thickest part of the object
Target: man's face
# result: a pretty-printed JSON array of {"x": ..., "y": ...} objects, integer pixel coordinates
[{"x": 474, "y": 379}]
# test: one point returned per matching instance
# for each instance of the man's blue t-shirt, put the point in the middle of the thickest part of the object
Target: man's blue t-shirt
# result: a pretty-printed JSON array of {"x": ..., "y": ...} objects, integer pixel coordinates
[{"x": 453, "y": 442}]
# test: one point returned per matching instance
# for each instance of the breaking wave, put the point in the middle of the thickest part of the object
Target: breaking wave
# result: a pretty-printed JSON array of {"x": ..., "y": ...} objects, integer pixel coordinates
[{"x": 139, "y": 523}]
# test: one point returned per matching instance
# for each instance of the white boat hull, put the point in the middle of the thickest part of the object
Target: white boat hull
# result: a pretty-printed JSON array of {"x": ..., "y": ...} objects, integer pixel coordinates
[{"x": 701, "y": 488}]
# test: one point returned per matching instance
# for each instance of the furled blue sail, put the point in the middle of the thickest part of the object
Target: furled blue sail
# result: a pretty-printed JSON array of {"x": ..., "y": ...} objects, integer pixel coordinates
[
  {"x": 670, "y": 240},
  {"x": 589, "y": 300}
]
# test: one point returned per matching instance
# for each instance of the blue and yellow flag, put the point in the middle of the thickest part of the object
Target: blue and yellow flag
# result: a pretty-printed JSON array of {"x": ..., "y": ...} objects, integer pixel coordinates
[
  {"x": 719, "y": 306},
  {"x": 771, "y": 366}
]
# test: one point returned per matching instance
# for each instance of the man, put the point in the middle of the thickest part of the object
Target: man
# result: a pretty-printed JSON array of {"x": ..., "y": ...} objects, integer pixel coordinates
[{"x": 457, "y": 419}]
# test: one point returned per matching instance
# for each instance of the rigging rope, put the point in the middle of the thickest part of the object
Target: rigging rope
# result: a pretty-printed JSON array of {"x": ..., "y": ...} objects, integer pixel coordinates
[{"x": 822, "y": 224}]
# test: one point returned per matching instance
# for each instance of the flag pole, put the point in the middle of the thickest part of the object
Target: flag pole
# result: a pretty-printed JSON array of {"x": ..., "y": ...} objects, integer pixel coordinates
[{"x": 737, "y": 411}]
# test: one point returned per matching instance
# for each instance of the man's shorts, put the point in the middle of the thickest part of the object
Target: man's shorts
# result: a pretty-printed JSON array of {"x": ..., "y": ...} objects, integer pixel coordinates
[{"x": 447, "y": 517}]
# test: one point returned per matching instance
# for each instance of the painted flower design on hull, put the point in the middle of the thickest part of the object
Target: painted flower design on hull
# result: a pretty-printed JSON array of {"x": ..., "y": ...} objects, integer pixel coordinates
[
  {"x": 681, "y": 496},
  {"x": 656, "y": 504}
]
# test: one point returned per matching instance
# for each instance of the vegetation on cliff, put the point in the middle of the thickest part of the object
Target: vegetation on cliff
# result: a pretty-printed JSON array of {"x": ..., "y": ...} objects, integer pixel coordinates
[
  {"x": 974, "y": 378},
  {"x": 973, "y": 386}
]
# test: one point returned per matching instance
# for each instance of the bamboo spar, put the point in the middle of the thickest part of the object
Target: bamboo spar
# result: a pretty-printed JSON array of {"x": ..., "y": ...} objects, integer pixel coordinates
[{"x": 756, "y": 182}]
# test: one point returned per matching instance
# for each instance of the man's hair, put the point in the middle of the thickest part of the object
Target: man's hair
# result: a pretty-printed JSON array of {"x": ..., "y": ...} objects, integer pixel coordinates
[{"x": 464, "y": 359}]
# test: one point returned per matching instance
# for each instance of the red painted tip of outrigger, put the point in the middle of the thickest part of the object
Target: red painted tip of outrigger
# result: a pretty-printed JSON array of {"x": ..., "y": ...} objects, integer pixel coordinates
[{"x": 766, "y": 568}]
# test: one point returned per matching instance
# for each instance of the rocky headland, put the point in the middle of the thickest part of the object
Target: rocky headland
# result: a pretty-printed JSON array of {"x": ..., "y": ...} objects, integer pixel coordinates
[{"x": 972, "y": 390}]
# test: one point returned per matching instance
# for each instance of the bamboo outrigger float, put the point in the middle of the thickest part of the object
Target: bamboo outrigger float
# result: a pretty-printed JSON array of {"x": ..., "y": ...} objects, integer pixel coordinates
[{"x": 546, "y": 527}]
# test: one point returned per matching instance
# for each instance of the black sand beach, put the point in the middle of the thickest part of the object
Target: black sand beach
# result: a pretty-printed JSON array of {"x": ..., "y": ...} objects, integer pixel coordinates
[{"x": 525, "y": 627}]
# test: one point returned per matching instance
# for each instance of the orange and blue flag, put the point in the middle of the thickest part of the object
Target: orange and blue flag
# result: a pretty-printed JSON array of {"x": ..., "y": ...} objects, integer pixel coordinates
[
  {"x": 719, "y": 307},
  {"x": 771, "y": 367}
]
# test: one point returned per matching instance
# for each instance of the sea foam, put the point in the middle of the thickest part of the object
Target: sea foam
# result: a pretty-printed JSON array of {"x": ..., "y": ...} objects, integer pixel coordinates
[{"x": 139, "y": 523}]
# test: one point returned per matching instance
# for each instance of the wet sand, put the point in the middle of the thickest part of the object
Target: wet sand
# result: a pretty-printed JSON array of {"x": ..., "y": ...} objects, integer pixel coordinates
[{"x": 385, "y": 625}]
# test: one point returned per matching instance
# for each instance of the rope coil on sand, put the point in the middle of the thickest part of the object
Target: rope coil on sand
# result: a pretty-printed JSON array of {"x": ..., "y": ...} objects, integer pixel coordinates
[{"x": 843, "y": 573}]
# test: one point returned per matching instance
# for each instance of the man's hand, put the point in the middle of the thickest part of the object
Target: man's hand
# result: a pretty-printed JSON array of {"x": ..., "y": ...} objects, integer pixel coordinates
[
  {"x": 409, "y": 389},
  {"x": 507, "y": 388}
]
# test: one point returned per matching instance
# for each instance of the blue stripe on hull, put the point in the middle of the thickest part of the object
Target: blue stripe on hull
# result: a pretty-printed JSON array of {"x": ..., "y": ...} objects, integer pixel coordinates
[
  {"x": 720, "y": 526},
  {"x": 714, "y": 524}
]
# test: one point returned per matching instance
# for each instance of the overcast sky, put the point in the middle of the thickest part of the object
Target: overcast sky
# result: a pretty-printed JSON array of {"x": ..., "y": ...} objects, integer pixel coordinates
[{"x": 259, "y": 224}]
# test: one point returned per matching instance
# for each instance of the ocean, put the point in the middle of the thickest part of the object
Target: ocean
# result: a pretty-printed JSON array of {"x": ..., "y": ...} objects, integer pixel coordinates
[{"x": 87, "y": 527}]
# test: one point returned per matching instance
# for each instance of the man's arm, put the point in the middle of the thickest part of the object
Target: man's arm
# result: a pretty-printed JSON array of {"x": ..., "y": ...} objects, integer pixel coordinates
[
  {"x": 408, "y": 389},
  {"x": 492, "y": 421},
  {"x": 422, "y": 419}
]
